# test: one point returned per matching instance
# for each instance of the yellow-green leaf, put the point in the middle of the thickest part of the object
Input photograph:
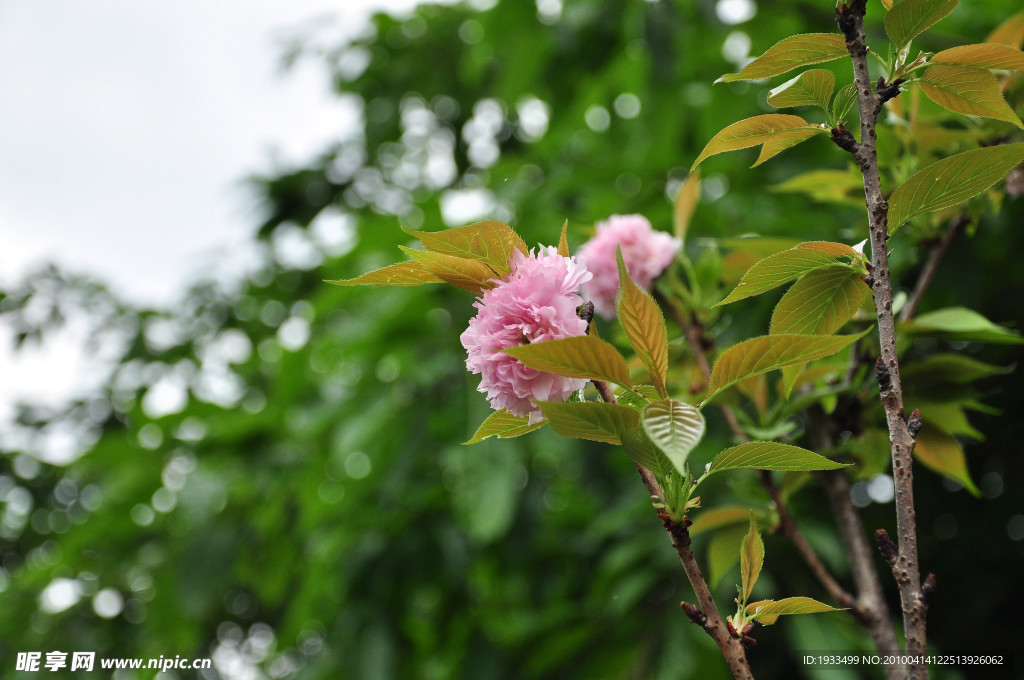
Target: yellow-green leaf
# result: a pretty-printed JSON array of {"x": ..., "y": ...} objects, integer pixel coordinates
[
  {"x": 722, "y": 553},
  {"x": 645, "y": 453},
  {"x": 581, "y": 356},
  {"x": 841, "y": 187},
  {"x": 768, "y": 352},
  {"x": 472, "y": 275},
  {"x": 1010, "y": 32},
  {"x": 709, "y": 520},
  {"x": 941, "y": 453},
  {"x": 768, "y": 611},
  {"x": 409, "y": 273},
  {"x": 685, "y": 203},
  {"x": 777, "y": 269},
  {"x": 793, "y": 52},
  {"x": 776, "y": 131},
  {"x": 960, "y": 323},
  {"x": 563, "y": 240},
  {"x": 674, "y": 427},
  {"x": 592, "y": 420},
  {"x": 810, "y": 88},
  {"x": 770, "y": 456},
  {"x": 969, "y": 91},
  {"x": 985, "y": 55},
  {"x": 829, "y": 247},
  {"x": 503, "y": 425},
  {"x": 821, "y": 302},
  {"x": 910, "y": 18},
  {"x": 952, "y": 181},
  {"x": 844, "y": 101},
  {"x": 490, "y": 242},
  {"x": 887, "y": 4},
  {"x": 644, "y": 325},
  {"x": 751, "y": 559}
]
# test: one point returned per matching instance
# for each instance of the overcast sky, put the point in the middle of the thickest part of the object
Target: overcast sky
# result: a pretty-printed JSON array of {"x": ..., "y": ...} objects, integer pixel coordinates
[{"x": 126, "y": 129}]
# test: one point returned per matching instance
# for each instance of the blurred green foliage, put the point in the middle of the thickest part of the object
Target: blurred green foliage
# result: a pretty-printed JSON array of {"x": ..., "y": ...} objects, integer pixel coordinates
[{"x": 272, "y": 475}]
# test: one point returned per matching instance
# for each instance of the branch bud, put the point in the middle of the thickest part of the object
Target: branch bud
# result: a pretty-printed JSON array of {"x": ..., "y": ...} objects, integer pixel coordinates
[
  {"x": 915, "y": 422},
  {"x": 928, "y": 587},
  {"x": 886, "y": 546},
  {"x": 695, "y": 615},
  {"x": 883, "y": 377}
]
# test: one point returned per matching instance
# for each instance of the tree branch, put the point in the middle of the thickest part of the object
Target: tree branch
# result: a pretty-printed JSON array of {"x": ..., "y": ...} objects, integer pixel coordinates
[
  {"x": 851, "y": 21},
  {"x": 938, "y": 249},
  {"x": 729, "y": 645}
]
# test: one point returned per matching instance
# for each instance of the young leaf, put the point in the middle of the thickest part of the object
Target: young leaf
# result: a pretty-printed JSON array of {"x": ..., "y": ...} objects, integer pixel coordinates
[
  {"x": 821, "y": 302},
  {"x": 471, "y": 275},
  {"x": 751, "y": 559},
  {"x": 563, "y": 241},
  {"x": 771, "y": 456},
  {"x": 594, "y": 420},
  {"x": 722, "y": 553},
  {"x": 685, "y": 203},
  {"x": 709, "y": 520},
  {"x": 1010, "y": 32},
  {"x": 675, "y": 428},
  {"x": 768, "y": 611},
  {"x": 490, "y": 242},
  {"x": 941, "y": 453},
  {"x": 810, "y": 88},
  {"x": 776, "y": 131},
  {"x": 777, "y": 269},
  {"x": 960, "y": 323},
  {"x": 985, "y": 55},
  {"x": 644, "y": 453},
  {"x": 840, "y": 187},
  {"x": 844, "y": 101},
  {"x": 791, "y": 53},
  {"x": 581, "y": 356},
  {"x": 503, "y": 425},
  {"x": 409, "y": 273},
  {"x": 952, "y": 181},
  {"x": 967, "y": 90},
  {"x": 760, "y": 355},
  {"x": 949, "y": 368},
  {"x": 644, "y": 325},
  {"x": 910, "y": 18}
]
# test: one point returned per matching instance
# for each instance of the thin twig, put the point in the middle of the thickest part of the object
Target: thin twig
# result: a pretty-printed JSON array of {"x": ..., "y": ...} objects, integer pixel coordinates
[
  {"x": 851, "y": 23},
  {"x": 729, "y": 645},
  {"x": 938, "y": 249}
]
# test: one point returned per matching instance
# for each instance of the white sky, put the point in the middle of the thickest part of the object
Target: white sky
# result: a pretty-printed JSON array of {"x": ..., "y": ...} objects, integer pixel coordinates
[{"x": 126, "y": 128}]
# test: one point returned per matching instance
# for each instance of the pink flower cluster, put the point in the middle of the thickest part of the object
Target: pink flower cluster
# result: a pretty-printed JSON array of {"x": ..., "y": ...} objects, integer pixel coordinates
[
  {"x": 646, "y": 253},
  {"x": 536, "y": 301}
]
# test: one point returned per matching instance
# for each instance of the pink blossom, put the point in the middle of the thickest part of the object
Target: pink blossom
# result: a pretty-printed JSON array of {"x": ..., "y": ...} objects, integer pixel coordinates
[
  {"x": 536, "y": 301},
  {"x": 646, "y": 252}
]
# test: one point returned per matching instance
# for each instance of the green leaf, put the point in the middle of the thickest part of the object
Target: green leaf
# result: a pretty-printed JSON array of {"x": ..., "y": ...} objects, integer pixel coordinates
[
  {"x": 777, "y": 269},
  {"x": 644, "y": 324},
  {"x": 828, "y": 247},
  {"x": 751, "y": 559},
  {"x": 942, "y": 454},
  {"x": 768, "y": 611},
  {"x": 722, "y": 553},
  {"x": 644, "y": 453},
  {"x": 810, "y": 88},
  {"x": 793, "y": 52},
  {"x": 592, "y": 420},
  {"x": 503, "y": 425},
  {"x": 409, "y": 273},
  {"x": 581, "y": 356},
  {"x": 776, "y": 131},
  {"x": 844, "y": 100},
  {"x": 472, "y": 275},
  {"x": 771, "y": 456},
  {"x": 910, "y": 18},
  {"x": 960, "y": 323},
  {"x": 709, "y": 520},
  {"x": 686, "y": 202},
  {"x": 985, "y": 55},
  {"x": 821, "y": 302},
  {"x": 490, "y": 242},
  {"x": 675, "y": 428},
  {"x": 1010, "y": 32},
  {"x": 949, "y": 417},
  {"x": 952, "y": 181},
  {"x": 638, "y": 396},
  {"x": 950, "y": 368},
  {"x": 841, "y": 187},
  {"x": 760, "y": 355},
  {"x": 967, "y": 90},
  {"x": 563, "y": 240}
]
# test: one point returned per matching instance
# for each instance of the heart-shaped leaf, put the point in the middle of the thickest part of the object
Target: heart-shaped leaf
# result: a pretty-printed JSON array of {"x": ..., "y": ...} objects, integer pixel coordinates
[{"x": 674, "y": 427}]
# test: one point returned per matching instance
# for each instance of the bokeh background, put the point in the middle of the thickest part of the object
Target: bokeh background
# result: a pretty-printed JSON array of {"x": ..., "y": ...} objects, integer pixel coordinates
[{"x": 267, "y": 470}]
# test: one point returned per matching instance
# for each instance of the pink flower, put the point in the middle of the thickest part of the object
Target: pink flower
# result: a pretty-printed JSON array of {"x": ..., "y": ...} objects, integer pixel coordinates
[
  {"x": 646, "y": 252},
  {"x": 536, "y": 301}
]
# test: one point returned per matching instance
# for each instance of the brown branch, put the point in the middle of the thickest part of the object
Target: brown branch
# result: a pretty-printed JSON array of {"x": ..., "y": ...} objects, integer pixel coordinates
[
  {"x": 851, "y": 21},
  {"x": 730, "y": 646},
  {"x": 938, "y": 249}
]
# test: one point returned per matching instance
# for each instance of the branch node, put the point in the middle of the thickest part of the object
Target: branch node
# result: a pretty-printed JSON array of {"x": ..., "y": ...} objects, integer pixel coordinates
[
  {"x": 844, "y": 139},
  {"x": 883, "y": 377},
  {"x": 914, "y": 423},
  {"x": 886, "y": 92},
  {"x": 695, "y": 614},
  {"x": 887, "y": 547}
]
